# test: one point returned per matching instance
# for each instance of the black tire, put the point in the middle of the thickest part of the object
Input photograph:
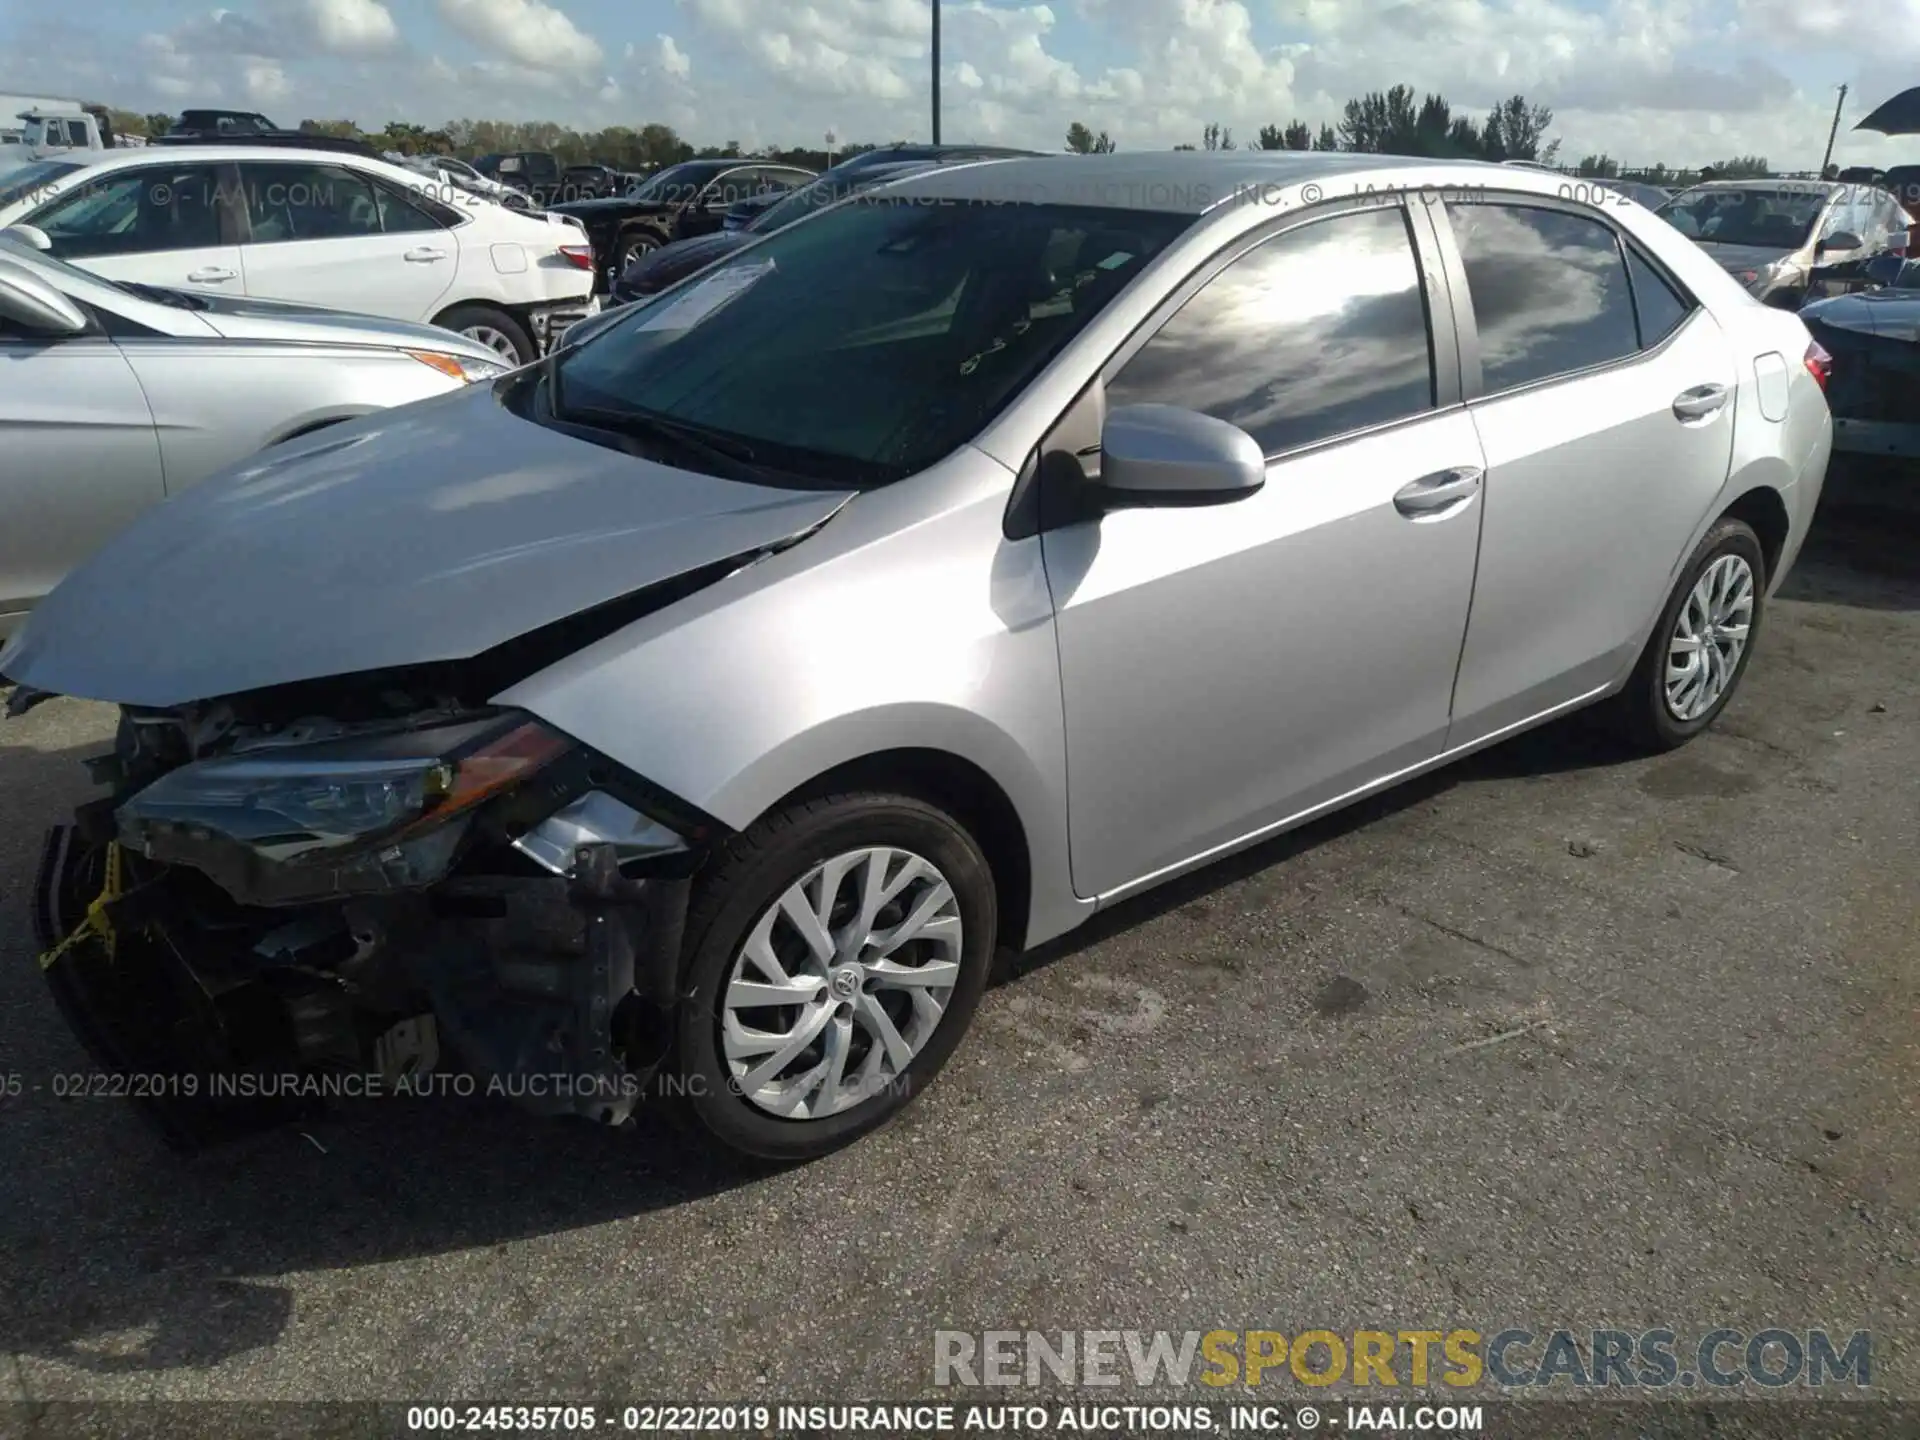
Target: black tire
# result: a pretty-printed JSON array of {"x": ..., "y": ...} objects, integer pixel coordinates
[
  {"x": 747, "y": 877},
  {"x": 1640, "y": 713},
  {"x": 461, "y": 318},
  {"x": 1786, "y": 299},
  {"x": 631, "y": 245}
]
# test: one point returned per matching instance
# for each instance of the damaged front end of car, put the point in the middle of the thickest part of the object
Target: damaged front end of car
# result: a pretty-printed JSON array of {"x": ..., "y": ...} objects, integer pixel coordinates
[{"x": 365, "y": 878}]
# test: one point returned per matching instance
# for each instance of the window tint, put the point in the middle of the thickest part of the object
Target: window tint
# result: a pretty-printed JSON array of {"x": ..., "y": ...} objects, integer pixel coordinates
[
  {"x": 1659, "y": 306},
  {"x": 874, "y": 339},
  {"x": 1320, "y": 331},
  {"x": 307, "y": 202},
  {"x": 136, "y": 212},
  {"x": 405, "y": 214},
  {"x": 1549, "y": 291}
]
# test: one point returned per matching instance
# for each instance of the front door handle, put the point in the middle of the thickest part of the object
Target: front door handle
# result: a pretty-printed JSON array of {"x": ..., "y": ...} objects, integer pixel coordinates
[
  {"x": 1699, "y": 402},
  {"x": 1441, "y": 493},
  {"x": 424, "y": 255},
  {"x": 212, "y": 275}
]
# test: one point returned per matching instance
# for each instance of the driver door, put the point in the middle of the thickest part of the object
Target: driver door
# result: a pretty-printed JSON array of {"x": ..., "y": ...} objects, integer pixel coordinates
[
  {"x": 166, "y": 225},
  {"x": 1230, "y": 668}
]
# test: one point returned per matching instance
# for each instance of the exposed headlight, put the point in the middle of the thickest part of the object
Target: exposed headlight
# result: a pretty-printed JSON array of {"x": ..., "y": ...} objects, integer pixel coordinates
[
  {"x": 284, "y": 824},
  {"x": 461, "y": 367}
]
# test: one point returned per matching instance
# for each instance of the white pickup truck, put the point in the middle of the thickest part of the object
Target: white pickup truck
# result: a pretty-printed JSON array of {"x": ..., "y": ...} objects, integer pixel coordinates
[{"x": 59, "y": 129}]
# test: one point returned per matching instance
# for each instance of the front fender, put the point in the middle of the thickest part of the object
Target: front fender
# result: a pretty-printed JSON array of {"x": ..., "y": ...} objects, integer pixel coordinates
[{"x": 891, "y": 628}]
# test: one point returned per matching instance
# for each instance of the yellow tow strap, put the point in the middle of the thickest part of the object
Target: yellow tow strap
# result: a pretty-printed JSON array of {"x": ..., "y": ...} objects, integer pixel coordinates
[{"x": 95, "y": 923}]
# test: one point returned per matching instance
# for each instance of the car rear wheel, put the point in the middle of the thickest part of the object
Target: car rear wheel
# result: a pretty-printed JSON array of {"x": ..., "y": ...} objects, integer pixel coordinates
[
  {"x": 632, "y": 246},
  {"x": 495, "y": 329},
  {"x": 839, "y": 949},
  {"x": 1699, "y": 651}
]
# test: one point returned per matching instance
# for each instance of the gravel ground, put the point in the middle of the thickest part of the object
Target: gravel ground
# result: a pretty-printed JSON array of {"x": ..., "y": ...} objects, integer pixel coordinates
[{"x": 1554, "y": 1038}]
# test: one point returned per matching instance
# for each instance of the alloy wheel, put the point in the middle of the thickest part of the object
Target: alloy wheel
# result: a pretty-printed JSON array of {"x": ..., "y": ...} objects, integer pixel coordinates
[
  {"x": 841, "y": 982},
  {"x": 501, "y": 344},
  {"x": 1709, "y": 637}
]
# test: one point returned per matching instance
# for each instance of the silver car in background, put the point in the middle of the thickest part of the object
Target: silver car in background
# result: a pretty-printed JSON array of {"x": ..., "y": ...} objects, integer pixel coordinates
[
  {"x": 711, "y": 701},
  {"x": 116, "y": 396},
  {"x": 1775, "y": 236}
]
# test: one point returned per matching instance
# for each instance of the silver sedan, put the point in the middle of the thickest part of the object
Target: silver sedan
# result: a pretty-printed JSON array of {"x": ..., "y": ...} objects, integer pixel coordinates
[
  {"x": 119, "y": 395},
  {"x": 709, "y": 704}
]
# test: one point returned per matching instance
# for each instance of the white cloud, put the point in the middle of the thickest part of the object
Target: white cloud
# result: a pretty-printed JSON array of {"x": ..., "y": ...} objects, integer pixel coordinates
[
  {"x": 536, "y": 35},
  {"x": 353, "y": 27},
  {"x": 672, "y": 59},
  {"x": 1680, "y": 81}
]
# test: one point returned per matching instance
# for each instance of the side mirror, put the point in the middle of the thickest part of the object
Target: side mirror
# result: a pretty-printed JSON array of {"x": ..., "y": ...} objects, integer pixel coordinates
[
  {"x": 33, "y": 235},
  {"x": 1840, "y": 242},
  {"x": 1163, "y": 455},
  {"x": 33, "y": 304}
]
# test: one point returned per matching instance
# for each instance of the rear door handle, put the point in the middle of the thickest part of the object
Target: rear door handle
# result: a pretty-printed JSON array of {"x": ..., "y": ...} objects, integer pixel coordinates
[
  {"x": 1439, "y": 494},
  {"x": 1699, "y": 402},
  {"x": 424, "y": 255},
  {"x": 213, "y": 275}
]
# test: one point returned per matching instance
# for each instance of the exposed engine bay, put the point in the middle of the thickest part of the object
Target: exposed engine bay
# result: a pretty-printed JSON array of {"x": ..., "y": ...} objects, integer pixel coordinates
[{"x": 272, "y": 896}]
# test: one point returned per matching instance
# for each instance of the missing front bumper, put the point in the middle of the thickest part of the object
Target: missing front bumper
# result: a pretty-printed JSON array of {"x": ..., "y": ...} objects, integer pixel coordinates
[{"x": 553, "y": 992}]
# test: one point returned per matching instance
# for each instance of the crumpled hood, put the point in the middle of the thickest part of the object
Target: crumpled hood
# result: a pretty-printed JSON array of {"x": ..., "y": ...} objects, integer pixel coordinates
[
  {"x": 427, "y": 533},
  {"x": 1894, "y": 314}
]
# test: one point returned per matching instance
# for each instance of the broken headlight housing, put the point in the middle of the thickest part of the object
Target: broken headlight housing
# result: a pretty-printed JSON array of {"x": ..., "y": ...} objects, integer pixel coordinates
[{"x": 286, "y": 824}]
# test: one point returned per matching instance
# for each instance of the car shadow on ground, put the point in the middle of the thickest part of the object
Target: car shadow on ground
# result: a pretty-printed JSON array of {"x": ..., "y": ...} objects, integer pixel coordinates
[{"x": 118, "y": 1256}]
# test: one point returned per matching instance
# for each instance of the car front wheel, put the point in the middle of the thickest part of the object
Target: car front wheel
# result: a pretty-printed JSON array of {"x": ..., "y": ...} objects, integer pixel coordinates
[
  {"x": 839, "y": 949},
  {"x": 495, "y": 329},
  {"x": 1699, "y": 651}
]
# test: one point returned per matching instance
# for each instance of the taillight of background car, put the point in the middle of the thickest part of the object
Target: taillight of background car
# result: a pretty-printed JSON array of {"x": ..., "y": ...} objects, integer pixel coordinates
[{"x": 1819, "y": 363}]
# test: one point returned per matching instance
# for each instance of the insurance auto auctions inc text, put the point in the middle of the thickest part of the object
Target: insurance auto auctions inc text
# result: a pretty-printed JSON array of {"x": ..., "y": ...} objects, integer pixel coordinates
[{"x": 1606, "y": 1360}]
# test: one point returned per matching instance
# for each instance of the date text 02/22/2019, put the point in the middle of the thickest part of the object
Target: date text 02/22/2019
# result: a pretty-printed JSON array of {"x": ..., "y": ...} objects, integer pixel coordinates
[{"x": 818, "y": 1419}]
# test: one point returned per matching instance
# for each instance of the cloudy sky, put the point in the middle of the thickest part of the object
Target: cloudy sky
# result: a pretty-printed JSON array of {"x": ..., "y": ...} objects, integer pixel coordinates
[{"x": 1684, "y": 81}]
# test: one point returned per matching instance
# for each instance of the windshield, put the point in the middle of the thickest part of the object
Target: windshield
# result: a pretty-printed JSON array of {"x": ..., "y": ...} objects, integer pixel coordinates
[
  {"x": 676, "y": 182},
  {"x": 20, "y": 184},
  {"x": 1775, "y": 217},
  {"x": 809, "y": 198},
  {"x": 869, "y": 343}
]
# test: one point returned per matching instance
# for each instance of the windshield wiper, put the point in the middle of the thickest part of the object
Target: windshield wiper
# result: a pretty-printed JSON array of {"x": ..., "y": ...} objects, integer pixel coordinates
[
  {"x": 723, "y": 452},
  {"x": 160, "y": 295}
]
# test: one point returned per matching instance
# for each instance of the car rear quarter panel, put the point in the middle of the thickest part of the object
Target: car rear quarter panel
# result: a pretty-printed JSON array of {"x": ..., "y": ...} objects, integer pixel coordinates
[{"x": 907, "y": 621}]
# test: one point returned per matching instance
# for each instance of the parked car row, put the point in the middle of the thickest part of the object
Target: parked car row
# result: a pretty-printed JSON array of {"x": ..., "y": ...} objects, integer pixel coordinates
[
  {"x": 700, "y": 703},
  {"x": 332, "y": 229}
]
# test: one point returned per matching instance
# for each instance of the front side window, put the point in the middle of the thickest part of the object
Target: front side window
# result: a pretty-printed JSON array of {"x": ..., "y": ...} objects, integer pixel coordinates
[
  {"x": 870, "y": 342},
  {"x": 307, "y": 202},
  {"x": 136, "y": 212},
  {"x": 1316, "y": 333},
  {"x": 1549, "y": 290}
]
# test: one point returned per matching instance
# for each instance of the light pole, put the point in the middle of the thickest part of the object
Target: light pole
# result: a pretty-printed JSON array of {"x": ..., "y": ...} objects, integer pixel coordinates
[
  {"x": 1834, "y": 132},
  {"x": 936, "y": 71}
]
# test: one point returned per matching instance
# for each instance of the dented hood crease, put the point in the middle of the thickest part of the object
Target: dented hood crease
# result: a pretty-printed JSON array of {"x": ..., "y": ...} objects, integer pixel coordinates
[{"x": 428, "y": 533}]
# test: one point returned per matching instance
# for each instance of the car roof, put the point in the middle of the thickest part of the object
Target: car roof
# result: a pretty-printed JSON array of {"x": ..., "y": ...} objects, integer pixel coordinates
[
  {"x": 1804, "y": 187},
  {"x": 215, "y": 154},
  {"x": 1193, "y": 182}
]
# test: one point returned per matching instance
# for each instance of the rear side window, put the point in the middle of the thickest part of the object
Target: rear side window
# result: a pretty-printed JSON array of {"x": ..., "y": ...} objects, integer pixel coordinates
[
  {"x": 1550, "y": 291},
  {"x": 1658, "y": 307},
  {"x": 1316, "y": 333}
]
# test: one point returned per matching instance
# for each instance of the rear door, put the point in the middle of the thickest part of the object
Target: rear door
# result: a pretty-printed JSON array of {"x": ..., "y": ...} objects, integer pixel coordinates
[
  {"x": 155, "y": 224},
  {"x": 1603, "y": 396},
  {"x": 82, "y": 458},
  {"x": 329, "y": 235}
]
